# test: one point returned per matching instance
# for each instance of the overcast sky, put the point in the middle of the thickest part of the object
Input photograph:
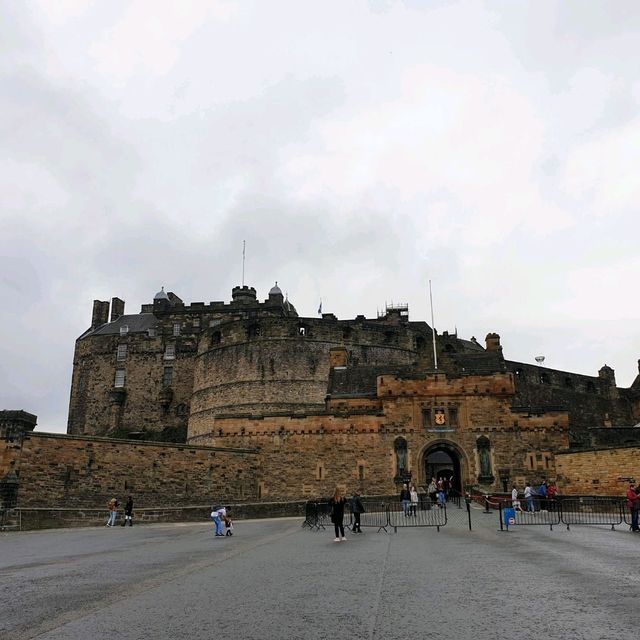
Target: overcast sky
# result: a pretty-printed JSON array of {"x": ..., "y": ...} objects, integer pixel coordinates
[{"x": 360, "y": 149}]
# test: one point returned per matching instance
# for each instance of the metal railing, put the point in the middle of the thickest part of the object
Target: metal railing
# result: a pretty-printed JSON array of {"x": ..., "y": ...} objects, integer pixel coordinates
[
  {"x": 378, "y": 515},
  {"x": 567, "y": 510},
  {"x": 592, "y": 510}
]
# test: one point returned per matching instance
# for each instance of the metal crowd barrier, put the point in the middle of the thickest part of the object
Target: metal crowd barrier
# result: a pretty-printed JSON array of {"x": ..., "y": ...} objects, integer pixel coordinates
[
  {"x": 571, "y": 510},
  {"x": 416, "y": 516},
  {"x": 592, "y": 510},
  {"x": 513, "y": 516},
  {"x": 379, "y": 515}
]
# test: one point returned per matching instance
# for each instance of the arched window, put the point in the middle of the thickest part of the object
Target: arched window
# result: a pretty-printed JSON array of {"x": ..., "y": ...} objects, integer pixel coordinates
[{"x": 216, "y": 337}]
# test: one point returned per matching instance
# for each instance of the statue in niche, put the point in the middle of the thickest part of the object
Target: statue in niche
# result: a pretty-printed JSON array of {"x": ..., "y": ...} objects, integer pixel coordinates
[
  {"x": 484, "y": 455},
  {"x": 400, "y": 446}
]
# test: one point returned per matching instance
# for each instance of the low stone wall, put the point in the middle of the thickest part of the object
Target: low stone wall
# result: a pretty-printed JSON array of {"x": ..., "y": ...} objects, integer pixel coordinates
[
  {"x": 603, "y": 471},
  {"x": 57, "y": 471},
  {"x": 44, "y": 518}
]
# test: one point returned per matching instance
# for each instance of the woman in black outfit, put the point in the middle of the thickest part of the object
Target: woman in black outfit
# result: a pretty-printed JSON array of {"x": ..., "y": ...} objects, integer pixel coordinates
[{"x": 337, "y": 514}]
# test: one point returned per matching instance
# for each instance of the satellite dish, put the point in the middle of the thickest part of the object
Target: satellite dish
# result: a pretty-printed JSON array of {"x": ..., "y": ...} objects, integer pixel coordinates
[{"x": 540, "y": 360}]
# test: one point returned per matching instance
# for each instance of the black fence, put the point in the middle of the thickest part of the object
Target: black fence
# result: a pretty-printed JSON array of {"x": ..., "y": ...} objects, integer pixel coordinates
[
  {"x": 569, "y": 510},
  {"x": 383, "y": 515}
]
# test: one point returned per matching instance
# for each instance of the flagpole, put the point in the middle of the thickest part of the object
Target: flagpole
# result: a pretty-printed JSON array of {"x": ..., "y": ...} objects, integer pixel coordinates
[
  {"x": 433, "y": 329},
  {"x": 244, "y": 244}
]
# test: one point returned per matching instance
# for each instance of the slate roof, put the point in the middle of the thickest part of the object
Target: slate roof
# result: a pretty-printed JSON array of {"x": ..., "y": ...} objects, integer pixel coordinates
[
  {"x": 355, "y": 381},
  {"x": 138, "y": 323}
]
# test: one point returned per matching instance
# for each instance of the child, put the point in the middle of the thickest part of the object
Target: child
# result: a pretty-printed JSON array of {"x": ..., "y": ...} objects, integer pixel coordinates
[{"x": 228, "y": 525}]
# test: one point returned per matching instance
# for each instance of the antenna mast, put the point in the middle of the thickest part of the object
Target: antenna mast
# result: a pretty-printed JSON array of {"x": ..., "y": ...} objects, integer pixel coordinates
[{"x": 433, "y": 329}]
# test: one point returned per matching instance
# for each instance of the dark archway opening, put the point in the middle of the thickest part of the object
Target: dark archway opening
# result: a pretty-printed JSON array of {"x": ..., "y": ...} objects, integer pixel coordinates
[{"x": 443, "y": 461}]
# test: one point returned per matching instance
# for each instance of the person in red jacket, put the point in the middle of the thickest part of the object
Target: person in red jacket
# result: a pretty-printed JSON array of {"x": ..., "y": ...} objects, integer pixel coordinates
[{"x": 633, "y": 502}]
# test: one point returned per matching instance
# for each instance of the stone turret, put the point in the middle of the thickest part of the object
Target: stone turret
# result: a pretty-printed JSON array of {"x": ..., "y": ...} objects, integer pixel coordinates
[{"x": 244, "y": 294}]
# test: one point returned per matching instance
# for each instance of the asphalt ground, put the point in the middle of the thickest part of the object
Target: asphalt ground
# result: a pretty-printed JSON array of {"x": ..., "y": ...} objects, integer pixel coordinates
[{"x": 274, "y": 579}]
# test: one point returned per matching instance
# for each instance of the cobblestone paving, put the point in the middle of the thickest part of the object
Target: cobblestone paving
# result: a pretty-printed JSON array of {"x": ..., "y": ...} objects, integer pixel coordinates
[{"x": 275, "y": 580}]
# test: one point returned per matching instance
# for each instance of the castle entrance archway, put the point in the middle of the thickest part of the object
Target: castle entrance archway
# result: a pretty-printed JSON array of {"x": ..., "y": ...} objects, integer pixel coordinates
[{"x": 442, "y": 460}]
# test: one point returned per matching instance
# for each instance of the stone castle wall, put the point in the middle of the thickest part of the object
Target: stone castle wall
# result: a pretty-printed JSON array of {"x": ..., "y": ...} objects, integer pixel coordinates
[
  {"x": 65, "y": 471},
  {"x": 598, "y": 471}
]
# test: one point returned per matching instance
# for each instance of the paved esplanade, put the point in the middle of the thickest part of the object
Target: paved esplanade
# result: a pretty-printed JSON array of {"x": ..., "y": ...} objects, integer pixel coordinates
[{"x": 275, "y": 580}]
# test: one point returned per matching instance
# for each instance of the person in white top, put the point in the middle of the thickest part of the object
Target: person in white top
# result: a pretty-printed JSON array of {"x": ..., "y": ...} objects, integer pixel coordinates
[
  {"x": 515, "y": 503},
  {"x": 413, "y": 508},
  {"x": 528, "y": 496}
]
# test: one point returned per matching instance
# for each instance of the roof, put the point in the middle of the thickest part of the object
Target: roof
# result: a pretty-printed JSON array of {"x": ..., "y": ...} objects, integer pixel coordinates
[
  {"x": 138, "y": 323},
  {"x": 355, "y": 381}
]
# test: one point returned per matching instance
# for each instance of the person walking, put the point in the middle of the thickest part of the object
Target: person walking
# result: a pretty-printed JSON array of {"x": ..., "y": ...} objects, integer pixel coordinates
[
  {"x": 405, "y": 499},
  {"x": 542, "y": 492},
  {"x": 441, "y": 493},
  {"x": 413, "y": 509},
  {"x": 528, "y": 496},
  {"x": 356, "y": 509},
  {"x": 633, "y": 503},
  {"x": 552, "y": 492},
  {"x": 337, "y": 514},
  {"x": 432, "y": 490},
  {"x": 112, "y": 505},
  {"x": 128, "y": 512},
  {"x": 515, "y": 503}
]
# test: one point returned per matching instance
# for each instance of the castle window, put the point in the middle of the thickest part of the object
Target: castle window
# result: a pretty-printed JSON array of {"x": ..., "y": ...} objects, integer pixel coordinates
[
  {"x": 181, "y": 409},
  {"x": 124, "y": 330},
  {"x": 519, "y": 373},
  {"x": 568, "y": 382},
  {"x": 389, "y": 337},
  {"x": 544, "y": 378},
  {"x": 151, "y": 332},
  {"x": 254, "y": 330},
  {"x": 591, "y": 388},
  {"x": 170, "y": 352},
  {"x": 196, "y": 323},
  {"x": 426, "y": 417},
  {"x": 119, "y": 379},
  {"x": 122, "y": 352},
  {"x": 453, "y": 416},
  {"x": 176, "y": 328},
  {"x": 347, "y": 333},
  {"x": 167, "y": 376},
  {"x": 360, "y": 472},
  {"x": 449, "y": 348},
  {"x": 302, "y": 331},
  {"x": 420, "y": 343}
]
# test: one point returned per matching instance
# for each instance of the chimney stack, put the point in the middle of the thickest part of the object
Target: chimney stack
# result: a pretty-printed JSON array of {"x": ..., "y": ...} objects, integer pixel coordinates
[
  {"x": 493, "y": 342},
  {"x": 117, "y": 308},
  {"x": 100, "y": 313}
]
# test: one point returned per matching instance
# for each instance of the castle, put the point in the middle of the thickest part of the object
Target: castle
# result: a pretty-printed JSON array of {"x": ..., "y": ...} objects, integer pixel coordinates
[{"x": 364, "y": 402}]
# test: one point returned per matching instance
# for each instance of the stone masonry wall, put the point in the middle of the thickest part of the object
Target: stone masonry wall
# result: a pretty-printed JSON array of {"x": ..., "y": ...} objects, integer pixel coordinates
[
  {"x": 65, "y": 471},
  {"x": 599, "y": 471}
]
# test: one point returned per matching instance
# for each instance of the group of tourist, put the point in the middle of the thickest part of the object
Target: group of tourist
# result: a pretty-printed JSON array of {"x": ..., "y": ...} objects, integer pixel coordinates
[
  {"x": 439, "y": 491},
  {"x": 545, "y": 495},
  {"x": 113, "y": 505}
]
